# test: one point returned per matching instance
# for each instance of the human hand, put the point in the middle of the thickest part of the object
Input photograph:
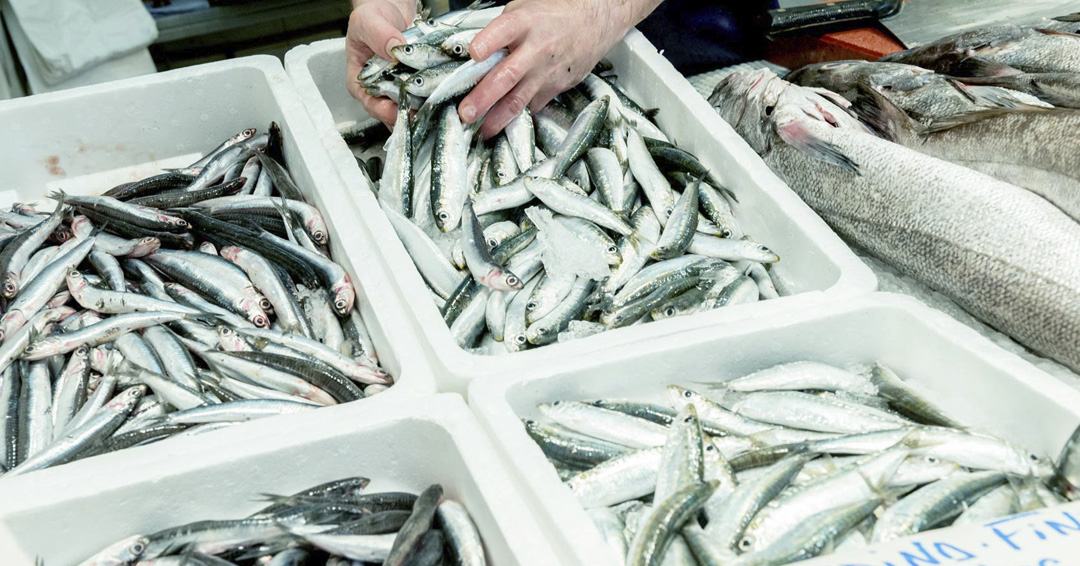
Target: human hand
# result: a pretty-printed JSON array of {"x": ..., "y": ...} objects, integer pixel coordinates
[
  {"x": 374, "y": 28},
  {"x": 553, "y": 45}
]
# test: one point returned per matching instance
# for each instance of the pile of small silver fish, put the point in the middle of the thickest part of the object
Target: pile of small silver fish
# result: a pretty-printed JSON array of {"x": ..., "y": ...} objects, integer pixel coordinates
[
  {"x": 577, "y": 219},
  {"x": 921, "y": 169},
  {"x": 784, "y": 464},
  {"x": 333, "y": 524},
  {"x": 176, "y": 304}
]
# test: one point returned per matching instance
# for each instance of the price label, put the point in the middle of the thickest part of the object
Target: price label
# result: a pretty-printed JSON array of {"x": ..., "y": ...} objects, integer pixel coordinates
[{"x": 1047, "y": 537}]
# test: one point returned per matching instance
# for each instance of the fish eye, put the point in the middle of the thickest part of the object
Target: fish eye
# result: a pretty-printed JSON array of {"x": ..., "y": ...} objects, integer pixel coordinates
[
  {"x": 709, "y": 447},
  {"x": 1033, "y": 457},
  {"x": 249, "y": 132},
  {"x": 493, "y": 242},
  {"x": 612, "y": 249},
  {"x": 531, "y": 306},
  {"x": 769, "y": 110},
  {"x": 931, "y": 460},
  {"x": 459, "y": 49},
  {"x": 408, "y": 49},
  {"x": 687, "y": 419},
  {"x": 556, "y": 403},
  {"x": 725, "y": 233},
  {"x": 444, "y": 216},
  {"x": 670, "y": 311},
  {"x": 512, "y": 280},
  {"x": 418, "y": 81},
  {"x": 687, "y": 394},
  {"x": 530, "y": 422},
  {"x": 138, "y": 548},
  {"x": 746, "y": 542},
  {"x": 520, "y": 339}
]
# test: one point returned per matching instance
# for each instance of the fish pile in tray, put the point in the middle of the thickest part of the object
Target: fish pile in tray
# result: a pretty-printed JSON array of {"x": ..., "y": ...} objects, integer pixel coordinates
[
  {"x": 921, "y": 158},
  {"x": 183, "y": 302},
  {"x": 577, "y": 219},
  {"x": 336, "y": 524},
  {"x": 784, "y": 464}
]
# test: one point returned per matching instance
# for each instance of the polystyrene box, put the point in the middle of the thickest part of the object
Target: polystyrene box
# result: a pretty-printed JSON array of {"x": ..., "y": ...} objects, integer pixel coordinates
[
  {"x": 64, "y": 515},
  {"x": 815, "y": 263},
  {"x": 89, "y": 139},
  {"x": 971, "y": 378}
]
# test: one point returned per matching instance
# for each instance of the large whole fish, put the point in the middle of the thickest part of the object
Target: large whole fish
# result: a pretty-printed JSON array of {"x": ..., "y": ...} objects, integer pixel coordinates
[
  {"x": 1024, "y": 48},
  {"x": 1030, "y": 148},
  {"x": 1004, "y": 253},
  {"x": 925, "y": 95}
]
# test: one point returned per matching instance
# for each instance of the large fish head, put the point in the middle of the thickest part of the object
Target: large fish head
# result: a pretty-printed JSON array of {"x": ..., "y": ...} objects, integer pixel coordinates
[
  {"x": 746, "y": 100},
  {"x": 841, "y": 77}
]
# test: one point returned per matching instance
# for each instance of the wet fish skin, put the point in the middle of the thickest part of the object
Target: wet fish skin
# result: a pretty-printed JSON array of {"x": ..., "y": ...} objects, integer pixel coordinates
[
  {"x": 1025, "y": 48},
  {"x": 667, "y": 517},
  {"x": 934, "y": 504},
  {"x": 923, "y": 94},
  {"x": 1025, "y": 283},
  {"x": 986, "y": 141}
]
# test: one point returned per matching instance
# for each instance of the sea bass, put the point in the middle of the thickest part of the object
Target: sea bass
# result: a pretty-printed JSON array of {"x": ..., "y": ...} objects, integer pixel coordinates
[{"x": 1004, "y": 253}]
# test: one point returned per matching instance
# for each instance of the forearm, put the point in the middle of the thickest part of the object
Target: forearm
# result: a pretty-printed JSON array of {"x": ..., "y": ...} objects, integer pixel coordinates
[{"x": 639, "y": 10}]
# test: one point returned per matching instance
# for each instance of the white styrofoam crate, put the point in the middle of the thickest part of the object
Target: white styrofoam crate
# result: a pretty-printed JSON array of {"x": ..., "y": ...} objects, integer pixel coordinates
[
  {"x": 66, "y": 514},
  {"x": 89, "y": 139},
  {"x": 971, "y": 378},
  {"x": 817, "y": 265}
]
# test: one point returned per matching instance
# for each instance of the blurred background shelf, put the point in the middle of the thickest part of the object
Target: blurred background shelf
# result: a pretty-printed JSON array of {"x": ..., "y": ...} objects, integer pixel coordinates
[{"x": 212, "y": 33}]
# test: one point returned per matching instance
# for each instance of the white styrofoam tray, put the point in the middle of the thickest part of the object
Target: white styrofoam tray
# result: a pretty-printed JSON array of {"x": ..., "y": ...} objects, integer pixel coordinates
[
  {"x": 970, "y": 377},
  {"x": 66, "y": 514},
  {"x": 89, "y": 139},
  {"x": 815, "y": 263}
]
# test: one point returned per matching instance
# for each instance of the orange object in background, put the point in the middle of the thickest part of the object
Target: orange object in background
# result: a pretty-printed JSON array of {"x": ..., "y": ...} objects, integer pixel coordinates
[{"x": 868, "y": 43}]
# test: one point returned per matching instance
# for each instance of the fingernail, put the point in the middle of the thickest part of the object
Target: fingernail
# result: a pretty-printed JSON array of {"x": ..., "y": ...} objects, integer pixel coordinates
[
  {"x": 468, "y": 113},
  {"x": 392, "y": 43}
]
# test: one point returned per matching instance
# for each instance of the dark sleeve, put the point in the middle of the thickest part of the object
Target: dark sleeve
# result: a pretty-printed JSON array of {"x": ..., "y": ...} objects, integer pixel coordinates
[{"x": 698, "y": 36}]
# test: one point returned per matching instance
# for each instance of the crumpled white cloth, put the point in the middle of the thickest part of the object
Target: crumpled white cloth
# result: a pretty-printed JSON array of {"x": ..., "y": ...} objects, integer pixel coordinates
[{"x": 71, "y": 36}]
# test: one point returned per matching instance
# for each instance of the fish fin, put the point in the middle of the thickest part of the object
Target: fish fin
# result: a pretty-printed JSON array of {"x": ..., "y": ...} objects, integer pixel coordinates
[
  {"x": 981, "y": 67},
  {"x": 991, "y": 95},
  {"x": 797, "y": 135},
  {"x": 831, "y": 96},
  {"x": 883, "y": 116},
  {"x": 1058, "y": 32},
  {"x": 950, "y": 122}
]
